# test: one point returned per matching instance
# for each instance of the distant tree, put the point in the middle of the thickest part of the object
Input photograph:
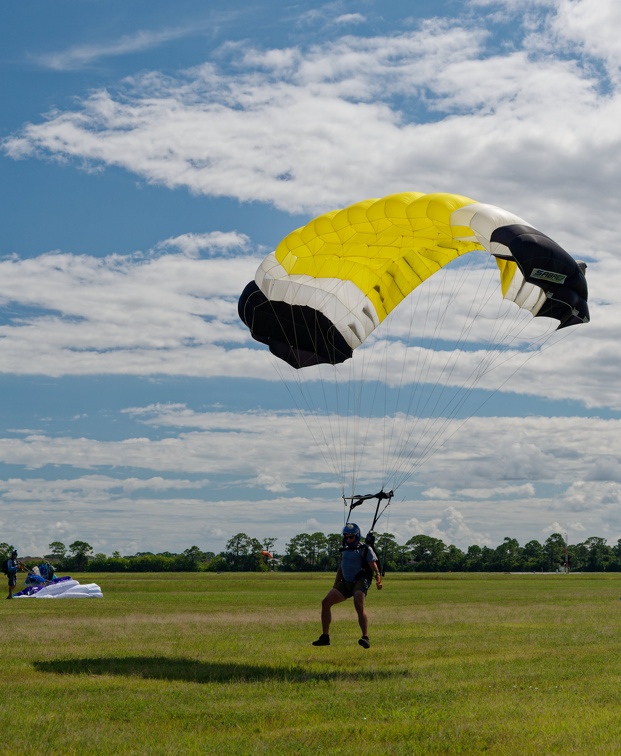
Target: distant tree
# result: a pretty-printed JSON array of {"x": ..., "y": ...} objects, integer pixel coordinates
[
  {"x": 333, "y": 544},
  {"x": 454, "y": 559},
  {"x": 426, "y": 553},
  {"x": 194, "y": 556},
  {"x": 311, "y": 552},
  {"x": 157, "y": 563},
  {"x": 578, "y": 555},
  {"x": 555, "y": 551},
  {"x": 601, "y": 555},
  {"x": 80, "y": 552},
  {"x": 473, "y": 561},
  {"x": 616, "y": 556},
  {"x": 388, "y": 552},
  {"x": 5, "y": 550},
  {"x": 507, "y": 556},
  {"x": 243, "y": 553},
  {"x": 534, "y": 556},
  {"x": 58, "y": 550}
]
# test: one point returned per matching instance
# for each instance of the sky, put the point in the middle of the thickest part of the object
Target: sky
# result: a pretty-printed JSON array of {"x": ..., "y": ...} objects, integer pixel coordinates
[{"x": 152, "y": 153}]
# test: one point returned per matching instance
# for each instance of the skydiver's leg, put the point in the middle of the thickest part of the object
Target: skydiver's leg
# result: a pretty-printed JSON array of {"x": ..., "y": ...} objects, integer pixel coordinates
[
  {"x": 333, "y": 597},
  {"x": 363, "y": 620}
]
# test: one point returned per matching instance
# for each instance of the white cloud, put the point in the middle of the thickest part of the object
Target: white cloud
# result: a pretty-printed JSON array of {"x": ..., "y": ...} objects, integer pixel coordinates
[
  {"x": 350, "y": 18},
  {"x": 82, "y": 55},
  {"x": 515, "y": 487},
  {"x": 214, "y": 242},
  {"x": 451, "y": 527},
  {"x": 594, "y": 25},
  {"x": 122, "y": 315},
  {"x": 521, "y": 129},
  {"x": 176, "y": 314}
]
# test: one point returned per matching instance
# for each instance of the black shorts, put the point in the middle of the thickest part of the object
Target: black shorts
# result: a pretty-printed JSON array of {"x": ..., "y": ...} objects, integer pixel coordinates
[
  {"x": 349, "y": 587},
  {"x": 12, "y": 581}
]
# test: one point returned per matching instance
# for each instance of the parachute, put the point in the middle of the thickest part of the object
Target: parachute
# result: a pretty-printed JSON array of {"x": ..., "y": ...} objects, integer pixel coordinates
[
  {"x": 331, "y": 288},
  {"x": 330, "y": 284},
  {"x": 64, "y": 587}
]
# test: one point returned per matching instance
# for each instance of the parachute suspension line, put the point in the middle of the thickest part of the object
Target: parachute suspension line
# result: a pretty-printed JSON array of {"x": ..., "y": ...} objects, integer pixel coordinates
[
  {"x": 496, "y": 358},
  {"x": 357, "y": 440},
  {"x": 390, "y": 432},
  {"x": 306, "y": 411},
  {"x": 370, "y": 360},
  {"x": 442, "y": 412},
  {"x": 430, "y": 298},
  {"x": 317, "y": 428},
  {"x": 350, "y": 441},
  {"x": 391, "y": 446},
  {"x": 382, "y": 556},
  {"x": 430, "y": 331},
  {"x": 339, "y": 428},
  {"x": 464, "y": 420}
]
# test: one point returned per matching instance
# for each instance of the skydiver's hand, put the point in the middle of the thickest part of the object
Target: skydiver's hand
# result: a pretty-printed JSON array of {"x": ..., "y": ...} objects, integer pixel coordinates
[{"x": 379, "y": 585}]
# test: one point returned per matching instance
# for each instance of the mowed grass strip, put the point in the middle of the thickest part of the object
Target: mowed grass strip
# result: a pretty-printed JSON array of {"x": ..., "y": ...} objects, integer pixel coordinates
[{"x": 174, "y": 664}]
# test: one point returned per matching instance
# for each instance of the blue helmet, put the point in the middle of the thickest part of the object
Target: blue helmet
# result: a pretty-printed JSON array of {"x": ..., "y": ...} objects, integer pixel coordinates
[{"x": 352, "y": 529}]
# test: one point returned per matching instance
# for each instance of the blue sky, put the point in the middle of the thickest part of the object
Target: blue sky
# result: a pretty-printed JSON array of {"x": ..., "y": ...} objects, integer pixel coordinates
[{"x": 152, "y": 154}]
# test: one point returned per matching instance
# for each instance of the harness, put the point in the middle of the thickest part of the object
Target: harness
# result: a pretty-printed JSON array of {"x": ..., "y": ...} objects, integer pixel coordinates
[{"x": 366, "y": 571}]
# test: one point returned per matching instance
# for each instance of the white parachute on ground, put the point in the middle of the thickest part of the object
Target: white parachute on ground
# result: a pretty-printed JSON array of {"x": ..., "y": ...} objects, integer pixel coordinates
[{"x": 64, "y": 587}]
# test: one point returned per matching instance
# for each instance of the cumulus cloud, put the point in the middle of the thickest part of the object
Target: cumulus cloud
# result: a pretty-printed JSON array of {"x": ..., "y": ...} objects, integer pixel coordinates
[
  {"x": 516, "y": 124},
  {"x": 451, "y": 527},
  {"x": 592, "y": 24},
  {"x": 174, "y": 312},
  {"x": 491, "y": 493},
  {"x": 168, "y": 313}
]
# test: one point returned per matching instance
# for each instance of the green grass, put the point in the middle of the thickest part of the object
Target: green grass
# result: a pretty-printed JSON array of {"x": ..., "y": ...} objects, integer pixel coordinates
[{"x": 183, "y": 664}]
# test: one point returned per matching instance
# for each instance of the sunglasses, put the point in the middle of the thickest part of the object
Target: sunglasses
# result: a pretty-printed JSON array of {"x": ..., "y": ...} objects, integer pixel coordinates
[{"x": 347, "y": 537}]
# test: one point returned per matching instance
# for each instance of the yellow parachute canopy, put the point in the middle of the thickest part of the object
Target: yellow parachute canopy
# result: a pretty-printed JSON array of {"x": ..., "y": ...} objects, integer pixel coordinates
[{"x": 329, "y": 284}]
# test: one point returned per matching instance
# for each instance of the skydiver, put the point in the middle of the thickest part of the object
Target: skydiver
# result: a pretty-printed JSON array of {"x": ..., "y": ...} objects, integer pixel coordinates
[
  {"x": 12, "y": 567},
  {"x": 353, "y": 578}
]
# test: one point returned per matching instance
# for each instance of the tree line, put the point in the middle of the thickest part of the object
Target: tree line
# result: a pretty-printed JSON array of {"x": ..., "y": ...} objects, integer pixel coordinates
[{"x": 316, "y": 552}]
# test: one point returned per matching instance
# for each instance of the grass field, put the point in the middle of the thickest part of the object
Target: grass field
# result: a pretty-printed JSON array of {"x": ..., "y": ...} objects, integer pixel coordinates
[{"x": 205, "y": 663}]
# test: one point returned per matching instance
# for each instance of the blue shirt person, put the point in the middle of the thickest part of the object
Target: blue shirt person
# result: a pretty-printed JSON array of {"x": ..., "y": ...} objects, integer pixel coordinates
[{"x": 12, "y": 567}]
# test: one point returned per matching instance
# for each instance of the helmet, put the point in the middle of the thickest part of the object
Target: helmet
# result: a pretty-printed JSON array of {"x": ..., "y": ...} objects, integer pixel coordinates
[
  {"x": 14, "y": 553},
  {"x": 352, "y": 529}
]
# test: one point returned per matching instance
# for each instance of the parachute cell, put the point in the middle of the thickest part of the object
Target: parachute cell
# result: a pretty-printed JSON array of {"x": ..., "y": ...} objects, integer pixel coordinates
[{"x": 329, "y": 284}]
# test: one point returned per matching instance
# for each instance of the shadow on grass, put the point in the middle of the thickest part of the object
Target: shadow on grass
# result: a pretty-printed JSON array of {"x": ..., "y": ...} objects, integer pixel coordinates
[{"x": 188, "y": 670}]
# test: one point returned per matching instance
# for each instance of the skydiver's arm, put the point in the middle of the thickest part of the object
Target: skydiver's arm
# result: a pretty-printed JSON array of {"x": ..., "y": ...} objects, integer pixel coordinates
[
  {"x": 339, "y": 574},
  {"x": 376, "y": 574}
]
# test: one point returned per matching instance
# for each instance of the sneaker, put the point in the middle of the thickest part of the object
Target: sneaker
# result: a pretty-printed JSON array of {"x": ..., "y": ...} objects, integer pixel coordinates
[
  {"x": 365, "y": 642},
  {"x": 323, "y": 640}
]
